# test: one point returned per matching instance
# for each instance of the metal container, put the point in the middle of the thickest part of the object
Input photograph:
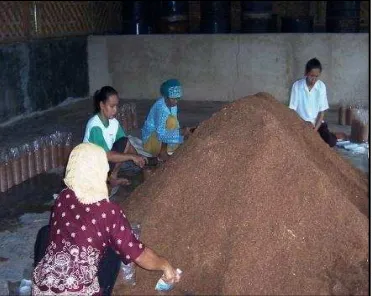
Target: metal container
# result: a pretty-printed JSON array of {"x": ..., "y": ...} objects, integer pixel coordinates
[
  {"x": 174, "y": 17},
  {"x": 343, "y": 16},
  {"x": 215, "y": 17}
]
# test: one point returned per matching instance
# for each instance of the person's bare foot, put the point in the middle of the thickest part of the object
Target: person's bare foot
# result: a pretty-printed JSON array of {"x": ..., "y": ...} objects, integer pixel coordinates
[
  {"x": 163, "y": 157},
  {"x": 118, "y": 181},
  {"x": 148, "y": 172},
  {"x": 152, "y": 161},
  {"x": 113, "y": 190}
]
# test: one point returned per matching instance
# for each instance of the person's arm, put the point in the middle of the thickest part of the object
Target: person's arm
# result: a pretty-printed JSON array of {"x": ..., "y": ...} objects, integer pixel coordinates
[
  {"x": 319, "y": 120},
  {"x": 130, "y": 249},
  {"x": 116, "y": 157},
  {"x": 96, "y": 137},
  {"x": 186, "y": 132},
  {"x": 151, "y": 261},
  {"x": 323, "y": 106},
  {"x": 293, "y": 100}
]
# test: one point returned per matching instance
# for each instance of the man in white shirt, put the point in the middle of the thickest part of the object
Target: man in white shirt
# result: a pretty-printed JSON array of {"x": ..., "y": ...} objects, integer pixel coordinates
[{"x": 309, "y": 100}]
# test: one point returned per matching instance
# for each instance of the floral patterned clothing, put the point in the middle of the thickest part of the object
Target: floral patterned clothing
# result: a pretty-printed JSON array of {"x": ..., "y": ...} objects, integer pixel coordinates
[{"x": 79, "y": 234}]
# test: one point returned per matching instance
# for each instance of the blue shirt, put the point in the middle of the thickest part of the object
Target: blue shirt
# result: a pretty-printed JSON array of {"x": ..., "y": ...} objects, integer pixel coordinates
[{"x": 156, "y": 122}]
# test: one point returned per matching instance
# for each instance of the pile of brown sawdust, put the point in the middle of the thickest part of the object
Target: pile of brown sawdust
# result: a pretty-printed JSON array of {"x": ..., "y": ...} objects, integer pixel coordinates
[{"x": 256, "y": 203}]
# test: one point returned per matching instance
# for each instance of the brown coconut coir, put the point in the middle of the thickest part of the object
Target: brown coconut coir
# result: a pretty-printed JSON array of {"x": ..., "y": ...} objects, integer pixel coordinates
[{"x": 255, "y": 203}]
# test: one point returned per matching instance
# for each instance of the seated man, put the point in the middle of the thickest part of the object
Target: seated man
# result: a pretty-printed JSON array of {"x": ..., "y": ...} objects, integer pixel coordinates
[
  {"x": 161, "y": 133},
  {"x": 309, "y": 100}
]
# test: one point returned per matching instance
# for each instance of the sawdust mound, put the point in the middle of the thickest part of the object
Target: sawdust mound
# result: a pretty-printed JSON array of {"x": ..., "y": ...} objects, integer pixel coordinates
[{"x": 256, "y": 203}]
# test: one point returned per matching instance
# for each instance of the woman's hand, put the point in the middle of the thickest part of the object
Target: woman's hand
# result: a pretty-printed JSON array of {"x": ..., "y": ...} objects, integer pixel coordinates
[
  {"x": 310, "y": 124},
  {"x": 151, "y": 261},
  {"x": 139, "y": 160},
  {"x": 170, "y": 274},
  {"x": 186, "y": 132}
]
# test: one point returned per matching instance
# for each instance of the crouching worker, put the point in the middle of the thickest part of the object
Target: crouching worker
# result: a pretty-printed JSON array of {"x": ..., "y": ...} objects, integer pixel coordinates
[
  {"x": 104, "y": 130},
  {"x": 88, "y": 236},
  {"x": 309, "y": 100},
  {"x": 161, "y": 132}
]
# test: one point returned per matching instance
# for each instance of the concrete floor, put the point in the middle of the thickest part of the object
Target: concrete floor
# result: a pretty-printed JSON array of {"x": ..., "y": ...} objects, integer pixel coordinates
[
  {"x": 360, "y": 161},
  {"x": 35, "y": 196}
]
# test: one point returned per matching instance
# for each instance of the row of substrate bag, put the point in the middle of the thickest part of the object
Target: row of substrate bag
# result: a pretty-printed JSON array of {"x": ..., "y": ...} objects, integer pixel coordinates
[
  {"x": 18, "y": 164},
  {"x": 358, "y": 119},
  {"x": 127, "y": 116}
]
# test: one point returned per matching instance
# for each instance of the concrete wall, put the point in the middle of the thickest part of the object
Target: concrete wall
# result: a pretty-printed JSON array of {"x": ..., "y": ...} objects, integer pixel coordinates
[
  {"x": 40, "y": 74},
  {"x": 226, "y": 67}
]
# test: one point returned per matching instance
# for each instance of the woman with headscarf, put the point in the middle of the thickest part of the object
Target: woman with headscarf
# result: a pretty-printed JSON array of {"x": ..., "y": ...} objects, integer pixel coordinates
[
  {"x": 161, "y": 132},
  {"x": 83, "y": 225}
]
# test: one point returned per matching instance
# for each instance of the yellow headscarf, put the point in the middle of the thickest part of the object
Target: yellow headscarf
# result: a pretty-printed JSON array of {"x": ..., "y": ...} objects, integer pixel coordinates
[{"x": 86, "y": 173}]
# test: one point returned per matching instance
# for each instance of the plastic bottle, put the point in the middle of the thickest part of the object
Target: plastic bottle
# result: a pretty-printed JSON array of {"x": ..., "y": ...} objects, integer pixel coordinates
[
  {"x": 38, "y": 156},
  {"x": 129, "y": 270},
  {"x": 134, "y": 115},
  {"x": 348, "y": 115},
  {"x": 3, "y": 178},
  {"x": 67, "y": 147},
  {"x": 162, "y": 285},
  {"x": 125, "y": 118},
  {"x": 341, "y": 115},
  {"x": 46, "y": 153},
  {"x": 16, "y": 165},
  {"x": 60, "y": 149},
  {"x": 9, "y": 171},
  {"x": 31, "y": 160},
  {"x": 53, "y": 150},
  {"x": 24, "y": 162},
  {"x": 119, "y": 115},
  {"x": 25, "y": 287},
  {"x": 360, "y": 126}
]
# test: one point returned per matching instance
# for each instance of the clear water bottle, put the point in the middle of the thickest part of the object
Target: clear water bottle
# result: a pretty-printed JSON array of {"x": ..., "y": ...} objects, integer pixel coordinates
[
  {"x": 16, "y": 165},
  {"x": 125, "y": 117},
  {"x": 24, "y": 162},
  {"x": 60, "y": 148},
  {"x": 53, "y": 151},
  {"x": 8, "y": 170},
  {"x": 129, "y": 270},
  {"x": 68, "y": 147},
  {"x": 38, "y": 156},
  {"x": 45, "y": 153},
  {"x": 3, "y": 177},
  {"x": 134, "y": 115},
  {"x": 31, "y": 160}
]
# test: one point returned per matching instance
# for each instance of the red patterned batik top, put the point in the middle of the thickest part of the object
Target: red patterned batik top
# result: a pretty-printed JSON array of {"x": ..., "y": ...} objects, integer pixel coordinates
[{"x": 78, "y": 236}]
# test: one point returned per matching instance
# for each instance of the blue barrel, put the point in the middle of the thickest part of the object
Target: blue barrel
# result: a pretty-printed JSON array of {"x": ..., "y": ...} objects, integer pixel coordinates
[
  {"x": 343, "y": 16},
  {"x": 297, "y": 25},
  {"x": 174, "y": 17},
  {"x": 215, "y": 17},
  {"x": 256, "y": 17},
  {"x": 138, "y": 17}
]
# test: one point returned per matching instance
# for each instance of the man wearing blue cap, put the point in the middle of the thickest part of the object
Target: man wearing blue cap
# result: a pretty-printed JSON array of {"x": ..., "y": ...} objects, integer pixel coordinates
[{"x": 161, "y": 133}]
